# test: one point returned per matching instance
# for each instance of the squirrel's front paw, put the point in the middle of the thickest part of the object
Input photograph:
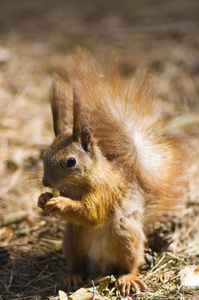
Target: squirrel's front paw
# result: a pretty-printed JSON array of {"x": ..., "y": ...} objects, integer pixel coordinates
[
  {"x": 55, "y": 205},
  {"x": 43, "y": 199}
]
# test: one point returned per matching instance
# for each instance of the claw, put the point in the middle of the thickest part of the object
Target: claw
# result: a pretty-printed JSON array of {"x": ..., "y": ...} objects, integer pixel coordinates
[
  {"x": 53, "y": 205},
  {"x": 43, "y": 199},
  {"x": 128, "y": 282},
  {"x": 72, "y": 281}
]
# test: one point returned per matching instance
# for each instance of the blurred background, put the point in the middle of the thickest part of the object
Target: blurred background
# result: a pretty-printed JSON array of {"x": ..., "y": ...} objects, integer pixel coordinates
[{"x": 36, "y": 39}]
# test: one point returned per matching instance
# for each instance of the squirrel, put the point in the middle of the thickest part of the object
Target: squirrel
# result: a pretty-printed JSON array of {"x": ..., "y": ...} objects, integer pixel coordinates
[{"x": 117, "y": 167}]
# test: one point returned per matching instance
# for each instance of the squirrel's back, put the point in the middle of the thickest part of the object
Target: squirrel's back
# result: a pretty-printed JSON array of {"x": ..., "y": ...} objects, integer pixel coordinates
[{"x": 131, "y": 128}]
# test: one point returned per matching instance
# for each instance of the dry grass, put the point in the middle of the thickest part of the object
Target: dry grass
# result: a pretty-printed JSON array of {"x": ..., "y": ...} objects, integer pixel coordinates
[{"x": 36, "y": 37}]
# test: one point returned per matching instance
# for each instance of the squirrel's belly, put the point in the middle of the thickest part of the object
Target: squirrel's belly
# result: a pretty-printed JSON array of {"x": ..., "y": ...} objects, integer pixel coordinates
[{"x": 98, "y": 246}]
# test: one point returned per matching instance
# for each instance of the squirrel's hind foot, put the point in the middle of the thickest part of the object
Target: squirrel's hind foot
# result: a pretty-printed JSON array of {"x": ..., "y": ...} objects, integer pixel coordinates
[
  {"x": 72, "y": 281},
  {"x": 129, "y": 282}
]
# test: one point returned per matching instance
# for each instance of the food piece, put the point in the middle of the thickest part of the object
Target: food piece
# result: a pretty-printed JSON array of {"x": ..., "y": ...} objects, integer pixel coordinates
[{"x": 56, "y": 193}]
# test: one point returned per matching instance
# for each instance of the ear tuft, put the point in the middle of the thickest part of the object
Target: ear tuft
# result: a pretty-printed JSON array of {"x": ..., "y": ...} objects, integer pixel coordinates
[
  {"x": 59, "y": 106},
  {"x": 76, "y": 116}
]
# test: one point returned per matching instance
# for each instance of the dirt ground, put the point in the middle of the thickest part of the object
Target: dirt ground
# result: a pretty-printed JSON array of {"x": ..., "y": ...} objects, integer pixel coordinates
[{"x": 36, "y": 38}]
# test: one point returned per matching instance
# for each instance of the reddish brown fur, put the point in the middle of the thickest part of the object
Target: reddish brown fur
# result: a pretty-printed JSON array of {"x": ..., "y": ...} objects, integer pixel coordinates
[
  {"x": 130, "y": 160},
  {"x": 109, "y": 102}
]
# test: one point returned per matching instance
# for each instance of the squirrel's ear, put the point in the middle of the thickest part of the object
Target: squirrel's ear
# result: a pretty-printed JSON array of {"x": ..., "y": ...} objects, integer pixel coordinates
[
  {"x": 59, "y": 106},
  {"x": 86, "y": 139}
]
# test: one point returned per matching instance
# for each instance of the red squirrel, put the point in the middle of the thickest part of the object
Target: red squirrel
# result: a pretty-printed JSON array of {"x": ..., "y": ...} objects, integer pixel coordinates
[{"x": 117, "y": 167}]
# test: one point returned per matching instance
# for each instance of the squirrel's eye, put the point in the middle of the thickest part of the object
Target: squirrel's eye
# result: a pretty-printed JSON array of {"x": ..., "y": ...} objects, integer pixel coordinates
[{"x": 71, "y": 162}]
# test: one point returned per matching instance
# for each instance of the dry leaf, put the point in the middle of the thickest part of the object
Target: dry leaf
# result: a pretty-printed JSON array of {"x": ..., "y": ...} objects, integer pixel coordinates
[
  {"x": 189, "y": 277},
  {"x": 63, "y": 295},
  {"x": 5, "y": 233},
  {"x": 81, "y": 294}
]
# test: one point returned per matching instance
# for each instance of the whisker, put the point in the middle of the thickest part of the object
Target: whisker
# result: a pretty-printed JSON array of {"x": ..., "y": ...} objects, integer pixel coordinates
[{"x": 34, "y": 179}]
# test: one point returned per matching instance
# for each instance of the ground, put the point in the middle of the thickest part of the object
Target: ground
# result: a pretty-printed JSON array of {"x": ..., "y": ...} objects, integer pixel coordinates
[{"x": 36, "y": 38}]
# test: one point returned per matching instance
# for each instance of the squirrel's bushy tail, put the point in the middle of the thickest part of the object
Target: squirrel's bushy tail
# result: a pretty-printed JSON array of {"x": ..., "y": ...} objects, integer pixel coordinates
[{"x": 131, "y": 129}]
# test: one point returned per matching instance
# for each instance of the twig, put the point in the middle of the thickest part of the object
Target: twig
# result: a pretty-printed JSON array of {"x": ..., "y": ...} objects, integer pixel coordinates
[
  {"x": 13, "y": 217},
  {"x": 36, "y": 278},
  {"x": 109, "y": 279},
  {"x": 186, "y": 289},
  {"x": 192, "y": 202},
  {"x": 175, "y": 257},
  {"x": 153, "y": 273},
  {"x": 11, "y": 279},
  {"x": 93, "y": 290},
  {"x": 159, "y": 262}
]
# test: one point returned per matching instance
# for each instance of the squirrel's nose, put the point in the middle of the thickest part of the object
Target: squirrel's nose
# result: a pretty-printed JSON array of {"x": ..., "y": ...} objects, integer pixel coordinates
[{"x": 47, "y": 182}]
